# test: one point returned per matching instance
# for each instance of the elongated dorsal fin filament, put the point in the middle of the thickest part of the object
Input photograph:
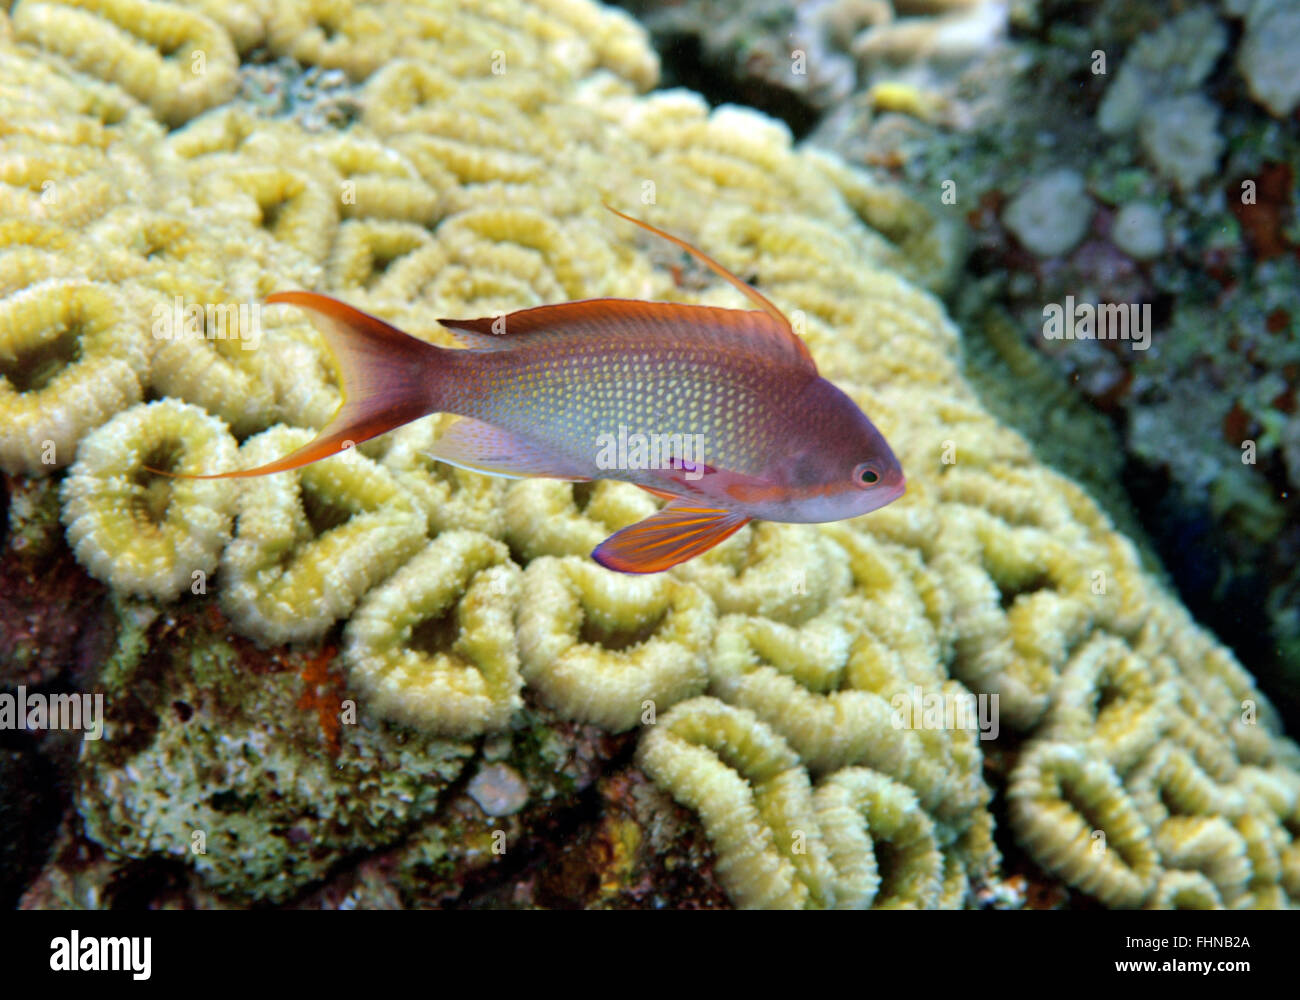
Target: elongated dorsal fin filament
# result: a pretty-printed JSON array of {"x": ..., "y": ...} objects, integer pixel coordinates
[{"x": 751, "y": 293}]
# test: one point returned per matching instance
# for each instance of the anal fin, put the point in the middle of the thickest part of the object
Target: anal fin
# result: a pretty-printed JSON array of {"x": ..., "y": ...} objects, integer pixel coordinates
[
  {"x": 679, "y": 532},
  {"x": 483, "y": 447}
]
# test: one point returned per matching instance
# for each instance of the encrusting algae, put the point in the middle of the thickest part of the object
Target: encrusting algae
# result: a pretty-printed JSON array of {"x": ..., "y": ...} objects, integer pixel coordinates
[{"x": 769, "y": 674}]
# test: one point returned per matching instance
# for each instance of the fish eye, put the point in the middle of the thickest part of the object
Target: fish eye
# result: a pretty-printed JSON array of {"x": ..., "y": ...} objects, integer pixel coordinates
[{"x": 866, "y": 474}]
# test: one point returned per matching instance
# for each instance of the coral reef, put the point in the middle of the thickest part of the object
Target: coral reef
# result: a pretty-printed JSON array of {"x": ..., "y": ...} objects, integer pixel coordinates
[
  {"x": 1139, "y": 230},
  {"x": 142, "y": 533},
  {"x": 753, "y": 798},
  {"x": 469, "y": 686},
  {"x": 449, "y": 496},
  {"x": 1180, "y": 136},
  {"x": 239, "y": 784},
  {"x": 1171, "y": 62},
  {"x": 1266, "y": 56},
  {"x": 806, "y": 691},
  {"x": 73, "y": 355},
  {"x": 177, "y": 61},
  {"x": 308, "y": 544},
  {"x": 1050, "y": 215},
  {"x": 799, "y": 60},
  {"x": 604, "y": 648}
]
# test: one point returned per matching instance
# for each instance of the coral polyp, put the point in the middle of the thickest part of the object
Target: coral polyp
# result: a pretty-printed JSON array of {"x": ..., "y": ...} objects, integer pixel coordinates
[
  {"x": 307, "y": 545},
  {"x": 143, "y": 533},
  {"x": 611, "y": 649},
  {"x": 72, "y": 353},
  {"x": 434, "y": 646}
]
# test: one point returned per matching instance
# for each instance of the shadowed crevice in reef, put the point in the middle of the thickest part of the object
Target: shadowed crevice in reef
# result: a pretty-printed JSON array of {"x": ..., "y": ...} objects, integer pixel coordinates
[
  {"x": 31, "y": 801},
  {"x": 1232, "y": 604},
  {"x": 685, "y": 64}
]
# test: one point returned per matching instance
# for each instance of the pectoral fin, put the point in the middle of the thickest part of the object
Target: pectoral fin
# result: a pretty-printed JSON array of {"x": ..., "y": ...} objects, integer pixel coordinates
[{"x": 679, "y": 532}]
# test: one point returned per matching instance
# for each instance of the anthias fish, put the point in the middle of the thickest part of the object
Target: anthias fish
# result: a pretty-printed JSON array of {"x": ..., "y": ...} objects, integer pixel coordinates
[{"x": 719, "y": 411}]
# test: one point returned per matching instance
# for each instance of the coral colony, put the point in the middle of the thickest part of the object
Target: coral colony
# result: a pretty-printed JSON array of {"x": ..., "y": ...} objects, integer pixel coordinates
[{"x": 407, "y": 622}]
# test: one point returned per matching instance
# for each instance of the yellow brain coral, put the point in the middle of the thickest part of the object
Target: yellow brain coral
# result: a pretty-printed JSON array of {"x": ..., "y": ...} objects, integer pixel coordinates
[
  {"x": 72, "y": 353},
  {"x": 144, "y": 533},
  {"x": 804, "y": 661},
  {"x": 177, "y": 61},
  {"x": 611, "y": 649},
  {"x": 753, "y": 797},
  {"x": 308, "y": 544},
  {"x": 434, "y": 646}
]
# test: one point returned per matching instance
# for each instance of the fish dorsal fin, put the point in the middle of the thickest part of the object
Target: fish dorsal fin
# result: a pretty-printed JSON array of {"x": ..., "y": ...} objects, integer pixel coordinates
[
  {"x": 705, "y": 326},
  {"x": 483, "y": 447},
  {"x": 679, "y": 532}
]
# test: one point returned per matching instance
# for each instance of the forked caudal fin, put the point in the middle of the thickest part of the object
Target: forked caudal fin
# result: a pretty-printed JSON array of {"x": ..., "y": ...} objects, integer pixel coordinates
[{"x": 388, "y": 379}]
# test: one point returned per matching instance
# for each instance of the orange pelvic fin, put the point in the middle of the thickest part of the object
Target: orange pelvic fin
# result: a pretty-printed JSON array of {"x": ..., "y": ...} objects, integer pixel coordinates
[
  {"x": 751, "y": 293},
  {"x": 387, "y": 376},
  {"x": 679, "y": 532}
]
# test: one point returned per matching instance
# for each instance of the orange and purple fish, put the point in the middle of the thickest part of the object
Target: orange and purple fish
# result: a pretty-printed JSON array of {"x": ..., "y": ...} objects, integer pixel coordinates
[{"x": 719, "y": 411}]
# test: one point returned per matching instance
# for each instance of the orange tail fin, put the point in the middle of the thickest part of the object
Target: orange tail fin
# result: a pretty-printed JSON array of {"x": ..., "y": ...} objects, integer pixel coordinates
[{"x": 387, "y": 378}]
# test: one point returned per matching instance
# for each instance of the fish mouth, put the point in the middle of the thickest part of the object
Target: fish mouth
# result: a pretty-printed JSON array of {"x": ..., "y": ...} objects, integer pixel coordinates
[
  {"x": 895, "y": 487},
  {"x": 886, "y": 492}
]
